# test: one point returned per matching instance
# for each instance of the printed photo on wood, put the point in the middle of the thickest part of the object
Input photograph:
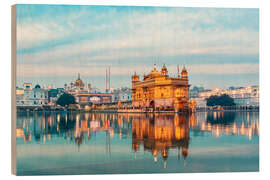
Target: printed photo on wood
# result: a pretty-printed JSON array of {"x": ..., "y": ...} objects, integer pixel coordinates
[{"x": 133, "y": 89}]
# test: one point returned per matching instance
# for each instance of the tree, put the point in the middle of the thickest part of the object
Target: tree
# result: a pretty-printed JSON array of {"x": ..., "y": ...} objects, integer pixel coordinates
[
  {"x": 223, "y": 100},
  {"x": 65, "y": 99}
]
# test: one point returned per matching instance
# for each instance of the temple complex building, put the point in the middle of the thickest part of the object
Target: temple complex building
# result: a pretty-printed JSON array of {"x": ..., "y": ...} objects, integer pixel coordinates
[
  {"x": 86, "y": 95},
  {"x": 32, "y": 97},
  {"x": 159, "y": 91}
]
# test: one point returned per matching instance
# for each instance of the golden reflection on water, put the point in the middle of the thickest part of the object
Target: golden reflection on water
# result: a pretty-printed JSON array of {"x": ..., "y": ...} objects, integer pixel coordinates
[
  {"x": 155, "y": 133},
  {"x": 158, "y": 133}
]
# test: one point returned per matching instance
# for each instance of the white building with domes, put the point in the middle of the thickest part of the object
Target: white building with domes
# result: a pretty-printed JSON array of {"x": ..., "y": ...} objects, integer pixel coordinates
[{"x": 29, "y": 96}]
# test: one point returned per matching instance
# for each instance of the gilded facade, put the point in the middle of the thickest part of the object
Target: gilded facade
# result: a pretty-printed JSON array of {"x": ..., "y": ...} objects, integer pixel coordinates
[{"x": 159, "y": 91}]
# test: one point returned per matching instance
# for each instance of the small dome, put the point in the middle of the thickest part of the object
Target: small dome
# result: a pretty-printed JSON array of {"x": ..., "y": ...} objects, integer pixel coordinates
[
  {"x": 37, "y": 86},
  {"x": 164, "y": 67},
  {"x": 135, "y": 77},
  {"x": 184, "y": 72},
  {"x": 135, "y": 74},
  {"x": 164, "y": 70},
  {"x": 79, "y": 83},
  {"x": 154, "y": 72}
]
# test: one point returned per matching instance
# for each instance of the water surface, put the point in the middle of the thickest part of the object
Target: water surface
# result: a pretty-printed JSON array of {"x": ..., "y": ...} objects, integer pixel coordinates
[{"x": 102, "y": 143}]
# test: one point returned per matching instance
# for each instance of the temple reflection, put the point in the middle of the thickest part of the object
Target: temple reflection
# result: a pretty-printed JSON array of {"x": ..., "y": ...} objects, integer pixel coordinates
[{"x": 159, "y": 134}]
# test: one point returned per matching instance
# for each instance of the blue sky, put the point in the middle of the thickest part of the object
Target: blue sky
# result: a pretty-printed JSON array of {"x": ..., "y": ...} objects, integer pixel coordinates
[{"x": 219, "y": 47}]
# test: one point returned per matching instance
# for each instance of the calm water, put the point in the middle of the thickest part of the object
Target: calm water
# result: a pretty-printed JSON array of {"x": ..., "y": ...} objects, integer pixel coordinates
[{"x": 98, "y": 143}]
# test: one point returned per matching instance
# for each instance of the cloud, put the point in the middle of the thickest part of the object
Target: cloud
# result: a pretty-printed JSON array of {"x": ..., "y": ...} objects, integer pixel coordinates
[
  {"x": 136, "y": 34},
  {"x": 139, "y": 46},
  {"x": 99, "y": 70},
  {"x": 86, "y": 39},
  {"x": 224, "y": 69},
  {"x": 29, "y": 35}
]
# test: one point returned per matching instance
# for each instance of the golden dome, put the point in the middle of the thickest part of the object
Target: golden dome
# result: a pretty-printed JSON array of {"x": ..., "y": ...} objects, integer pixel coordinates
[
  {"x": 154, "y": 72},
  {"x": 164, "y": 70},
  {"x": 135, "y": 77},
  {"x": 155, "y": 69},
  {"x": 79, "y": 83},
  {"x": 184, "y": 73}
]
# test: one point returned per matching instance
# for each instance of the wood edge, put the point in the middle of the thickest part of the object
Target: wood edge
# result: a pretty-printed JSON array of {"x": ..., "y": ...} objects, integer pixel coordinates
[{"x": 13, "y": 88}]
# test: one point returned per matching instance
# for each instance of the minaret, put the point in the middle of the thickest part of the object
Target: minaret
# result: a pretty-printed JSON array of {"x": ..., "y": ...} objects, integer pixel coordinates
[
  {"x": 178, "y": 71},
  {"x": 106, "y": 80},
  {"x": 109, "y": 78}
]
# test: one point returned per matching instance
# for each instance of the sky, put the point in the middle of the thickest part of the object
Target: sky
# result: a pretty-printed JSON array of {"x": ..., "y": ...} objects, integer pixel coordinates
[{"x": 218, "y": 46}]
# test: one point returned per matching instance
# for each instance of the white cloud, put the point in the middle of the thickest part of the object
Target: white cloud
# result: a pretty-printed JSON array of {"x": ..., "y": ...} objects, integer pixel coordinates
[
  {"x": 97, "y": 70},
  {"x": 223, "y": 69},
  {"x": 136, "y": 35},
  {"x": 165, "y": 43}
]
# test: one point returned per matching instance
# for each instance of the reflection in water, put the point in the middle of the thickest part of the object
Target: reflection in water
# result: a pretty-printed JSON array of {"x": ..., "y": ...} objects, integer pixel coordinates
[
  {"x": 153, "y": 133},
  {"x": 158, "y": 133},
  {"x": 230, "y": 123}
]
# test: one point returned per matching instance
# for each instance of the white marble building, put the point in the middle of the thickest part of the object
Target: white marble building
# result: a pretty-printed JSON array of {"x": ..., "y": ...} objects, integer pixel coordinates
[
  {"x": 245, "y": 96},
  {"x": 29, "y": 96},
  {"x": 121, "y": 95}
]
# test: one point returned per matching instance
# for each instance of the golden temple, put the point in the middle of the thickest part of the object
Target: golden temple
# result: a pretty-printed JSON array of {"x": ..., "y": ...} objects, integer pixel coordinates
[{"x": 158, "y": 91}]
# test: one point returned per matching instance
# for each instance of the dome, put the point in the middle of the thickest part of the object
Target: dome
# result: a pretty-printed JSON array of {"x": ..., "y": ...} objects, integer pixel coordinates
[
  {"x": 164, "y": 70},
  {"x": 154, "y": 72},
  {"x": 79, "y": 83},
  {"x": 184, "y": 72},
  {"x": 37, "y": 86},
  {"x": 135, "y": 77}
]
